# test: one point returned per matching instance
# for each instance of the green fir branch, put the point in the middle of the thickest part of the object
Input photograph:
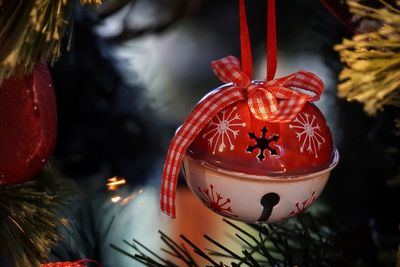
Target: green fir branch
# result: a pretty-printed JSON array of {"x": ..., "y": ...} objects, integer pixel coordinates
[
  {"x": 29, "y": 220},
  {"x": 299, "y": 242}
]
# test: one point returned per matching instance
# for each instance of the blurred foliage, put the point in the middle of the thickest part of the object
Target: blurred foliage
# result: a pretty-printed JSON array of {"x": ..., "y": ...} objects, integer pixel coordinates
[
  {"x": 28, "y": 218},
  {"x": 372, "y": 60},
  {"x": 31, "y": 32},
  {"x": 301, "y": 241},
  {"x": 105, "y": 125}
]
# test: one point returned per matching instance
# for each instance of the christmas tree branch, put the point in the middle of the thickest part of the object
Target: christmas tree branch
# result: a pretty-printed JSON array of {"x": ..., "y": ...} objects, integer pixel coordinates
[
  {"x": 298, "y": 242},
  {"x": 372, "y": 60},
  {"x": 29, "y": 220},
  {"x": 31, "y": 32}
]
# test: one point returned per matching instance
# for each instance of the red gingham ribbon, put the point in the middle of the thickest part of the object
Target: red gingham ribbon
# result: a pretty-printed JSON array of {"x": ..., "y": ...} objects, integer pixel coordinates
[{"x": 270, "y": 100}]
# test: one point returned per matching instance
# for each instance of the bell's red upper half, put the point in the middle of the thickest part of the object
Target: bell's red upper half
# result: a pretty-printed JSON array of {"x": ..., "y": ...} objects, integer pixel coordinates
[{"x": 235, "y": 140}]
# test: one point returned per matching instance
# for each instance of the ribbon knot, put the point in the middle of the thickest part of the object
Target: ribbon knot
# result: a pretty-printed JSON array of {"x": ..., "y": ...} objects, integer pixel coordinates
[{"x": 276, "y": 100}]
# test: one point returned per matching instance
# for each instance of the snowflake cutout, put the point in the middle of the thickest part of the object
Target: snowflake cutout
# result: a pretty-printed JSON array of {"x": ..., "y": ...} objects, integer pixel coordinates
[
  {"x": 263, "y": 143},
  {"x": 309, "y": 133},
  {"x": 216, "y": 202},
  {"x": 223, "y": 128},
  {"x": 302, "y": 206}
]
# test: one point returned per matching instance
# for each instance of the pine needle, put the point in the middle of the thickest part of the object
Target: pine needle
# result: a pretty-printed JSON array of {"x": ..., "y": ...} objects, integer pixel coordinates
[
  {"x": 372, "y": 60},
  {"x": 302, "y": 242},
  {"x": 31, "y": 32},
  {"x": 91, "y": 2},
  {"x": 28, "y": 220}
]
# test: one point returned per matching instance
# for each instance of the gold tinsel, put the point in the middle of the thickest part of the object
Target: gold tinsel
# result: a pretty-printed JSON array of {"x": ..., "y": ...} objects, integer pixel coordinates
[
  {"x": 31, "y": 32},
  {"x": 372, "y": 60},
  {"x": 90, "y": 2}
]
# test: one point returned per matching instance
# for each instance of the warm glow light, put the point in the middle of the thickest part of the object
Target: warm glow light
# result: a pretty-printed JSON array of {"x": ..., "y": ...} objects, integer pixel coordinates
[
  {"x": 115, "y": 199},
  {"x": 115, "y": 182},
  {"x": 127, "y": 199},
  {"x": 130, "y": 197}
]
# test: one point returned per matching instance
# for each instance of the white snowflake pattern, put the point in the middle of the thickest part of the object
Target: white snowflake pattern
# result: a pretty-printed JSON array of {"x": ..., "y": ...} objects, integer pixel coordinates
[
  {"x": 223, "y": 128},
  {"x": 309, "y": 134}
]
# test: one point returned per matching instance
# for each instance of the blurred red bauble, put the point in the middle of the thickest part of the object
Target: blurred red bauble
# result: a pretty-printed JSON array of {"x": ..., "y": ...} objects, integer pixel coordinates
[
  {"x": 28, "y": 125},
  {"x": 235, "y": 140}
]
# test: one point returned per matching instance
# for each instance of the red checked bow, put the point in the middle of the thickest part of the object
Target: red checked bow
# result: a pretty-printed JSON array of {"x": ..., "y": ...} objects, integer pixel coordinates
[
  {"x": 262, "y": 97},
  {"x": 271, "y": 100}
]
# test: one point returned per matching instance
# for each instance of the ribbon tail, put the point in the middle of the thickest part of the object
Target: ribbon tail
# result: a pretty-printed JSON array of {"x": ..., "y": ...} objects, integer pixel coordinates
[
  {"x": 304, "y": 80},
  {"x": 198, "y": 119}
]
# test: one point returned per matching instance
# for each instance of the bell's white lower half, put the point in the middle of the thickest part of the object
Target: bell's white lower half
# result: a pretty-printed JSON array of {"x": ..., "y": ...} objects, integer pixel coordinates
[{"x": 254, "y": 198}]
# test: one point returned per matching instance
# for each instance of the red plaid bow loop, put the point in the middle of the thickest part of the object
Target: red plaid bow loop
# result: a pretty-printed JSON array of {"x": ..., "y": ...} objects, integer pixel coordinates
[
  {"x": 273, "y": 101},
  {"x": 228, "y": 70},
  {"x": 262, "y": 97}
]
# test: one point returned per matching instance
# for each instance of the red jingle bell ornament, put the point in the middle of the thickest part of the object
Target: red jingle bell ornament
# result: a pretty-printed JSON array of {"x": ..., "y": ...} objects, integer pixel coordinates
[
  {"x": 253, "y": 150},
  {"x": 253, "y": 170},
  {"x": 28, "y": 125}
]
